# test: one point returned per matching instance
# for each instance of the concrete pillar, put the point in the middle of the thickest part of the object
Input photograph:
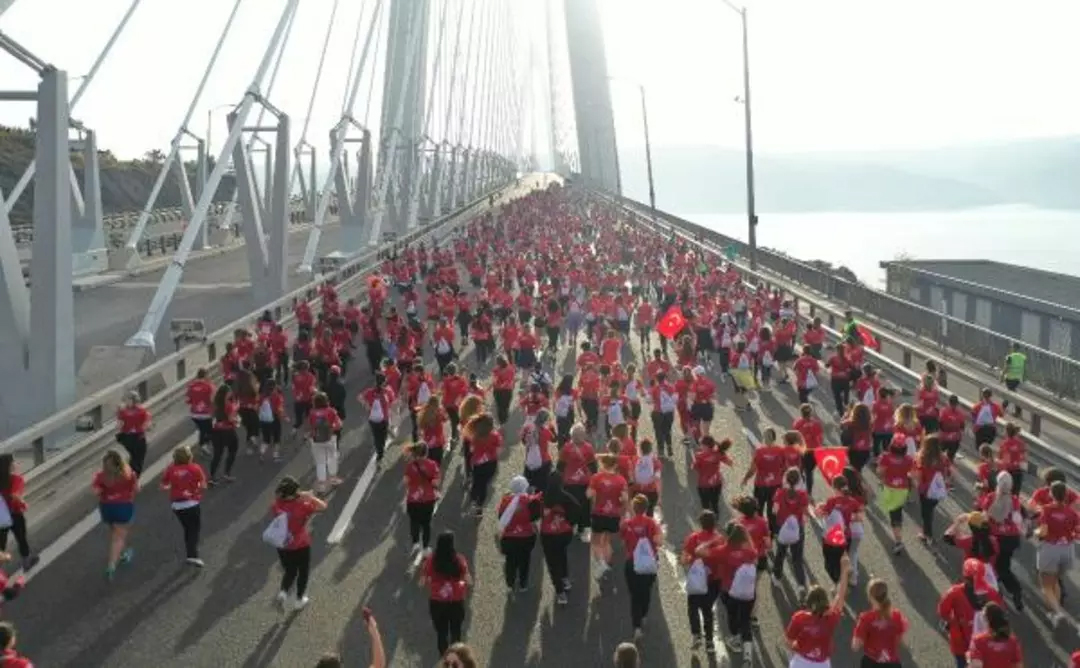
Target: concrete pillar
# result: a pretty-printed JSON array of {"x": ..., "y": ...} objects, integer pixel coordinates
[
  {"x": 87, "y": 235},
  {"x": 365, "y": 174},
  {"x": 251, "y": 210},
  {"x": 277, "y": 284},
  {"x": 200, "y": 185},
  {"x": 52, "y": 344}
]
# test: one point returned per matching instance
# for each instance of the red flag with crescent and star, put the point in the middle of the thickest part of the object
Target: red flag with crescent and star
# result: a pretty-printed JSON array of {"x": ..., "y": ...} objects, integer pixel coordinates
[
  {"x": 867, "y": 338},
  {"x": 831, "y": 461},
  {"x": 835, "y": 536},
  {"x": 672, "y": 323}
]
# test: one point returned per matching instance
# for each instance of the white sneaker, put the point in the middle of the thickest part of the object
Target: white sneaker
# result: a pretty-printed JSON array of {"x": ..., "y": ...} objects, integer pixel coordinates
[
  {"x": 195, "y": 561},
  {"x": 426, "y": 553},
  {"x": 414, "y": 549},
  {"x": 301, "y": 603},
  {"x": 281, "y": 599},
  {"x": 748, "y": 653},
  {"x": 586, "y": 536}
]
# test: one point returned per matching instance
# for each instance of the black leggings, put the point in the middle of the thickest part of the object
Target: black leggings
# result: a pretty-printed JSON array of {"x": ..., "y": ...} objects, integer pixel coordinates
[
  {"x": 710, "y": 498},
  {"x": 517, "y": 553},
  {"x": 833, "y": 555},
  {"x": 798, "y": 565},
  {"x": 482, "y": 475},
  {"x": 135, "y": 444},
  {"x": 225, "y": 441},
  {"x": 502, "y": 405},
  {"x": 191, "y": 523},
  {"x": 379, "y": 432},
  {"x": 447, "y": 617},
  {"x": 1007, "y": 546},
  {"x": 555, "y": 546},
  {"x": 640, "y": 586},
  {"x": 205, "y": 427},
  {"x": 841, "y": 391},
  {"x": 700, "y": 609},
  {"x": 739, "y": 614},
  {"x": 297, "y": 565},
  {"x": 420, "y": 522},
  {"x": 18, "y": 528},
  {"x": 662, "y": 425},
  {"x": 764, "y": 497},
  {"x": 926, "y": 511}
]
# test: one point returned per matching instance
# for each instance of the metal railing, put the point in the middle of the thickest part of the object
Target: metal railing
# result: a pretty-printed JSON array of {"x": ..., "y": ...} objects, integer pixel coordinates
[
  {"x": 1056, "y": 373},
  {"x": 164, "y": 382},
  {"x": 1041, "y": 454}
]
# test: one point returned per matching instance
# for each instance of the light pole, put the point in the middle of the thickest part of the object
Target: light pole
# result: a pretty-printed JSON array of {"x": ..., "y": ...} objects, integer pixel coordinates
[
  {"x": 648, "y": 144},
  {"x": 751, "y": 208},
  {"x": 210, "y": 124}
]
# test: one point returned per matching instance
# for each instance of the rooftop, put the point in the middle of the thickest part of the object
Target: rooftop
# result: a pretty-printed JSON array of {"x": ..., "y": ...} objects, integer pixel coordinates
[{"x": 1061, "y": 289}]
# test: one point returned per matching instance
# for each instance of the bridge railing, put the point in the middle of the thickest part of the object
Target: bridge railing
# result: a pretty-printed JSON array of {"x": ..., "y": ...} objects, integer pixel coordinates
[
  {"x": 163, "y": 383},
  {"x": 1056, "y": 373},
  {"x": 1042, "y": 453}
]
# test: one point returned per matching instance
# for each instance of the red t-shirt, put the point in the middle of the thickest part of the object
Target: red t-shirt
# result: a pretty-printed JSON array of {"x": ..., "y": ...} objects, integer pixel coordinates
[
  {"x": 485, "y": 449},
  {"x": 1061, "y": 522},
  {"x": 12, "y": 659},
  {"x": 707, "y": 462},
  {"x": 723, "y": 561},
  {"x": 758, "y": 529},
  {"x": 608, "y": 489},
  {"x": 435, "y": 434},
  {"x": 696, "y": 540},
  {"x": 770, "y": 463},
  {"x": 811, "y": 635},
  {"x": 956, "y": 609},
  {"x": 13, "y": 495},
  {"x": 893, "y": 470},
  {"x": 812, "y": 432},
  {"x": 521, "y": 523},
  {"x": 847, "y": 504},
  {"x": 200, "y": 397},
  {"x": 1041, "y": 497},
  {"x": 298, "y": 510},
  {"x": 927, "y": 473},
  {"x": 636, "y": 528},
  {"x": 553, "y": 521},
  {"x": 883, "y": 413},
  {"x": 132, "y": 419},
  {"x": 927, "y": 402},
  {"x": 576, "y": 460},
  {"x": 1012, "y": 454},
  {"x": 303, "y": 387},
  {"x": 119, "y": 490},
  {"x": 788, "y": 504},
  {"x": 881, "y": 634},
  {"x": 421, "y": 481},
  {"x": 442, "y": 588},
  {"x": 384, "y": 397},
  {"x": 995, "y": 653},
  {"x": 502, "y": 378},
  {"x": 185, "y": 482},
  {"x": 703, "y": 390}
]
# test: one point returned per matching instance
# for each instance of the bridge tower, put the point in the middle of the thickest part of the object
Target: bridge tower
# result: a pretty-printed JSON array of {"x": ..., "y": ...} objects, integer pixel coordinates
[{"x": 597, "y": 148}]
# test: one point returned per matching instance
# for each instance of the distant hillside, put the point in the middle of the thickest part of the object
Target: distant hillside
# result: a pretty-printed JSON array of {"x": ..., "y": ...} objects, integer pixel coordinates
[
  {"x": 125, "y": 185},
  {"x": 706, "y": 179}
]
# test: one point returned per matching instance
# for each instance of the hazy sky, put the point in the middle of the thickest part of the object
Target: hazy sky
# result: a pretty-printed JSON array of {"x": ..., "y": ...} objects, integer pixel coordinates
[{"x": 828, "y": 74}]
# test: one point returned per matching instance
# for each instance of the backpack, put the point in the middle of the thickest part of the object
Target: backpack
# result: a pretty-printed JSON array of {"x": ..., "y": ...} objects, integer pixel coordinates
[
  {"x": 697, "y": 578},
  {"x": 645, "y": 558},
  {"x": 644, "y": 470},
  {"x": 377, "y": 414},
  {"x": 985, "y": 417},
  {"x": 937, "y": 491},
  {"x": 276, "y": 533},
  {"x": 423, "y": 394},
  {"x": 667, "y": 402},
  {"x": 322, "y": 432},
  {"x": 533, "y": 458},
  {"x": 443, "y": 347},
  {"x": 744, "y": 583},
  {"x": 767, "y": 360},
  {"x": 266, "y": 411},
  {"x": 615, "y": 413},
  {"x": 790, "y": 531},
  {"x": 563, "y": 405}
]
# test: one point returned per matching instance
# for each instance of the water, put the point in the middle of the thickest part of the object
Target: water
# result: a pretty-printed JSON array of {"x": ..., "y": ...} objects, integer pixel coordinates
[{"x": 1039, "y": 238}]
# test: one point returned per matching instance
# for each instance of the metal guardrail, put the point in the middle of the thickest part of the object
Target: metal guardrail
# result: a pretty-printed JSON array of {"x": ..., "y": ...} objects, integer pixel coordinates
[
  {"x": 1041, "y": 453},
  {"x": 173, "y": 371},
  {"x": 1056, "y": 373}
]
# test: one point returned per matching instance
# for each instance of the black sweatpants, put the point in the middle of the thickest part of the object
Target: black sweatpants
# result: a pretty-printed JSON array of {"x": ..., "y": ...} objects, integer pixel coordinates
[
  {"x": 420, "y": 515},
  {"x": 191, "y": 523},
  {"x": 297, "y": 565},
  {"x": 226, "y": 443},
  {"x": 482, "y": 475},
  {"x": 640, "y": 586},
  {"x": 558, "y": 567},
  {"x": 699, "y": 607},
  {"x": 447, "y": 618},
  {"x": 18, "y": 528},
  {"x": 517, "y": 553}
]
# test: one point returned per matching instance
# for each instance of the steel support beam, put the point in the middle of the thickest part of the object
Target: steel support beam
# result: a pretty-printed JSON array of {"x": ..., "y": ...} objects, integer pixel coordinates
[{"x": 87, "y": 234}]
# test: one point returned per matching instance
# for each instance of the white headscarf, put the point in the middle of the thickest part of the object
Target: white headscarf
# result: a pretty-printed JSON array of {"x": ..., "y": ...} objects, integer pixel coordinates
[{"x": 1002, "y": 504}]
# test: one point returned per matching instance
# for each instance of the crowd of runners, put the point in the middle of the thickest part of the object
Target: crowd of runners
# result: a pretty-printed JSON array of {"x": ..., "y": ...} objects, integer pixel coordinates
[{"x": 556, "y": 271}]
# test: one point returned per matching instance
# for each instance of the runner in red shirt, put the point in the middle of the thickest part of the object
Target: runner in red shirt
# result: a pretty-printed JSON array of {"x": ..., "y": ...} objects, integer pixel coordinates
[
  {"x": 1012, "y": 455},
  {"x": 517, "y": 533},
  {"x": 996, "y": 647},
  {"x": 185, "y": 481},
  {"x": 702, "y": 394},
  {"x": 894, "y": 469},
  {"x": 484, "y": 446},
  {"x": 295, "y": 553},
  {"x": 10, "y": 658},
  {"x": 811, "y": 630},
  {"x": 790, "y": 505},
  {"x": 731, "y": 557},
  {"x": 132, "y": 421},
  {"x": 200, "y": 401},
  {"x": 879, "y": 632},
  {"x": 578, "y": 460},
  {"x": 642, "y": 560},
  {"x": 961, "y": 602},
  {"x": 710, "y": 480},
  {"x": 1058, "y": 528},
  {"x": 608, "y": 493},
  {"x": 116, "y": 485},
  {"x": 813, "y": 434},
  {"x": 446, "y": 575},
  {"x": 422, "y": 479}
]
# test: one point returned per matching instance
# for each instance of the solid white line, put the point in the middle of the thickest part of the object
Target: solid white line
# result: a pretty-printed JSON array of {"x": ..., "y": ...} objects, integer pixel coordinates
[
  {"x": 91, "y": 521},
  {"x": 344, "y": 520}
]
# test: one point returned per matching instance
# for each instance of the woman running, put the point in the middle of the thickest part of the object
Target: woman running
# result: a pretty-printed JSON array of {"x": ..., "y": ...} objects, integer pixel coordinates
[
  {"x": 484, "y": 446},
  {"x": 556, "y": 532},
  {"x": 811, "y": 631},
  {"x": 732, "y": 562},
  {"x": 879, "y": 632},
  {"x": 537, "y": 436},
  {"x": 116, "y": 485},
  {"x": 446, "y": 575},
  {"x": 813, "y": 434},
  {"x": 185, "y": 481},
  {"x": 960, "y": 604},
  {"x": 894, "y": 469},
  {"x": 432, "y": 421},
  {"x": 790, "y": 505},
  {"x": 578, "y": 461},
  {"x": 325, "y": 424},
  {"x": 1058, "y": 528},
  {"x": 271, "y": 417},
  {"x": 132, "y": 422},
  {"x": 1006, "y": 515},
  {"x": 295, "y": 553},
  {"x": 608, "y": 493},
  {"x": 422, "y": 480},
  {"x": 932, "y": 475},
  {"x": 701, "y": 590},
  {"x": 517, "y": 533},
  {"x": 642, "y": 538},
  {"x": 378, "y": 400},
  {"x": 710, "y": 480},
  {"x": 12, "y": 488},
  {"x": 995, "y": 647}
]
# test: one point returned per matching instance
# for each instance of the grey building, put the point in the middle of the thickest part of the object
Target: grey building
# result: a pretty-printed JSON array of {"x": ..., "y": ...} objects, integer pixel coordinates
[{"x": 1038, "y": 307}]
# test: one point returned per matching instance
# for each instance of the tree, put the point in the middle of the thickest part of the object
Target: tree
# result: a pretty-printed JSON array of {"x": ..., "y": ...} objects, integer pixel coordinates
[{"x": 155, "y": 156}]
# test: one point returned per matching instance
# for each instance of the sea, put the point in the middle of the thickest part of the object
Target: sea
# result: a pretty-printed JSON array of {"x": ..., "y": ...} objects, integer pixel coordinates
[{"x": 1032, "y": 237}]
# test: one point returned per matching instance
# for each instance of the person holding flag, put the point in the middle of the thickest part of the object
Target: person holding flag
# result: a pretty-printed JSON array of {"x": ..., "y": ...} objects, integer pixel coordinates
[
  {"x": 895, "y": 469},
  {"x": 841, "y": 511}
]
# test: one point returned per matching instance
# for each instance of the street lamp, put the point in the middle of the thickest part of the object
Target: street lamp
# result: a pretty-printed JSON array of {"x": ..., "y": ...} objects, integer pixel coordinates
[
  {"x": 210, "y": 123},
  {"x": 648, "y": 145},
  {"x": 751, "y": 209}
]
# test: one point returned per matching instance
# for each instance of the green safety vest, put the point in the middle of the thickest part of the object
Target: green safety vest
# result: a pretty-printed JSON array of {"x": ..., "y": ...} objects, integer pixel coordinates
[{"x": 1014, "y": 366}]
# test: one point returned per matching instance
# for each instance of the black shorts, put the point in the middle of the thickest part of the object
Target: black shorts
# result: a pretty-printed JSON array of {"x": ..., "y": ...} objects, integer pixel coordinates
[
  {"x": 702, "y": 412},
  {"x": 704, "y": 340},
  {"x": 1012, "y": 384},
  {"x": 785, "y": 353},
  {"x": 604, "y": 524}
]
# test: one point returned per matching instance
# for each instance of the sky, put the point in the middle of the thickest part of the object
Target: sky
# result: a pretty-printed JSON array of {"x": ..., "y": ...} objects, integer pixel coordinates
[{"x": 826, "y": 74}]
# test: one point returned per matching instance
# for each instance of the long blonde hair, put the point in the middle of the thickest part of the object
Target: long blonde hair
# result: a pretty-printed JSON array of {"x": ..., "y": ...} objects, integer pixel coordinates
[
  {"x": 428, "y": 414},
  {"x": 470, "y": 406},
  {"x": 114, "y": 466}
]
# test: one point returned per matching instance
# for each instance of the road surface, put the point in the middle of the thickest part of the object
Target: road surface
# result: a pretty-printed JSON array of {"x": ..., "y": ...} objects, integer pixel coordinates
[{"x": 159, "y": 612}]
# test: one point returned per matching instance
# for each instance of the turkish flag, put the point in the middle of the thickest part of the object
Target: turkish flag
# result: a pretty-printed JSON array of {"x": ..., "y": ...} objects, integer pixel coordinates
[
  {"x": 868, "y": 339},
  {"x": 831, "y": 461},
  {"x": 835, "y": 536},
  {"x": 672, "y": 323}
]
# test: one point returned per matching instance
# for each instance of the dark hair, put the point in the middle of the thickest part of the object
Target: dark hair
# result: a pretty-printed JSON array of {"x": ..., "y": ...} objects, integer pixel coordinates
[
  {"x": 7, "y": 464},
  {"x": 555, "y": 494},
  {"x": 330, "y": 661},
  {"x": 707, "y": 519},
  {"x": 982, "y": 544},
  {"x": 221, "y": 403},
  {"x": 997, "y": 620},
  {"x": 287, "y": 488},
  {"x": 445, "y": 558},
  {"x": 7, "y": 635}
]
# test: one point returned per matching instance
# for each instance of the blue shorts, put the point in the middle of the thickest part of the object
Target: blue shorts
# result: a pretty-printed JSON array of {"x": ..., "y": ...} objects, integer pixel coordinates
[{"x": 116, "y": 513}]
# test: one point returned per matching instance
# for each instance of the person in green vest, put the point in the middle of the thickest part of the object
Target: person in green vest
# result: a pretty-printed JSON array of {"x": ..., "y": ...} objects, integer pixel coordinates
[
  {"x": 1014, "y": 370},
  {"x": 851, "y": 326}
]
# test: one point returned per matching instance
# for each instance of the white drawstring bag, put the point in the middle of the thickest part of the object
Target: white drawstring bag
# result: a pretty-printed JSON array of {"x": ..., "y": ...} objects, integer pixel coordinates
[
  {"x": 276, "y": 533},
  {"x": 697, "y": 578},
  {"x": 645, "y": 558}
]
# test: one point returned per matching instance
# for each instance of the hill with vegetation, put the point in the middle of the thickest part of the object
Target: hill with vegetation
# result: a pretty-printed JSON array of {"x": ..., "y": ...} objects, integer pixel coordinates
[{"x": 125, "y": 184}]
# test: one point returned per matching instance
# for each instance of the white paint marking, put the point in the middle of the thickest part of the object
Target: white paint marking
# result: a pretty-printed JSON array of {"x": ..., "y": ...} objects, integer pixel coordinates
[
  {"x": 344, "y": 520},
  {"x": 91, "y": 521}
]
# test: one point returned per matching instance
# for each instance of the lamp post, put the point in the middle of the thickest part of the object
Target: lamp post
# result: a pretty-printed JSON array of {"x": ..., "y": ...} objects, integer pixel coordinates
[
  {"x": 751, "y": 208},
  {"x": 210, "y": 124},
  {"x": 648, "y": 144}
]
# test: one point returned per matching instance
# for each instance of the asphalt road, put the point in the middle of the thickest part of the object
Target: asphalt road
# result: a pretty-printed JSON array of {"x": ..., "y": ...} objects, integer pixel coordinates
[{"x": 158, "y": 612}]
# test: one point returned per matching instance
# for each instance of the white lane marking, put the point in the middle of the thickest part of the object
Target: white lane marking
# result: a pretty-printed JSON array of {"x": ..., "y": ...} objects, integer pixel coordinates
[
  {"x": 344, "y": 520},
  {"x": 88, "y": 523}
]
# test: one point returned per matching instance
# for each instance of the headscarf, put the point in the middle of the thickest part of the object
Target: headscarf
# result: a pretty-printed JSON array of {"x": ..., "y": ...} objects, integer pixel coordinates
[
  {"x": 519, "y": 487},
  {"x": 1002, "y": 505}
]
